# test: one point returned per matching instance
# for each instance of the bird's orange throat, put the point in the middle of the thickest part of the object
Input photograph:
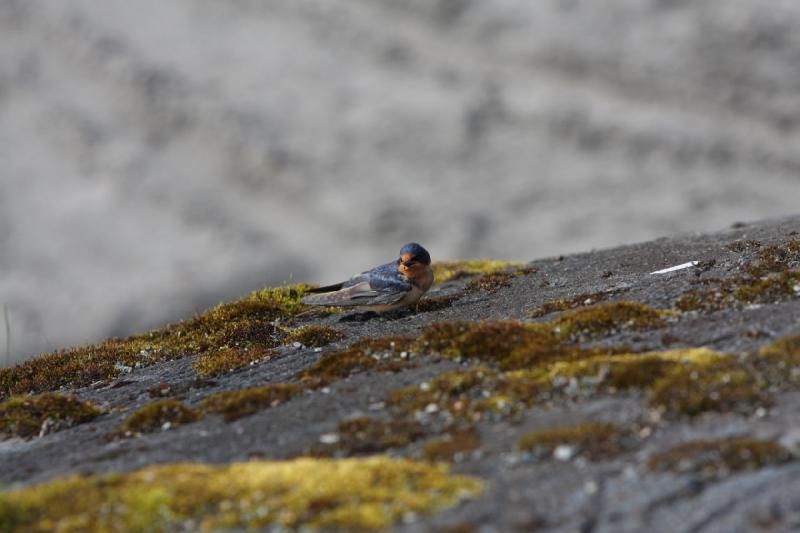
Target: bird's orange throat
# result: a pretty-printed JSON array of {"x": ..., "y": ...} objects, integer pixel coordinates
[{"x": 419, "y": 274}]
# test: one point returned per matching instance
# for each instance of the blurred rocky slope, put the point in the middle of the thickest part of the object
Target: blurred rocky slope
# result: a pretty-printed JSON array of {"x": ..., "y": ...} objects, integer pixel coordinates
[{"x": 157, "y": 158}]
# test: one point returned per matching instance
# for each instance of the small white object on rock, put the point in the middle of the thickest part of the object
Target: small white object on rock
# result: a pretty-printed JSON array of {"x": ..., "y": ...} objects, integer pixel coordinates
[
  {"x": 564, "y": 453},
  {"x": 590, "y": 487},
  {"x": 329, "y": 438},
  {"x": 431, "y": 408},
  {"x": 297, "y": 344},
  {"x": 676, "y": 267}
]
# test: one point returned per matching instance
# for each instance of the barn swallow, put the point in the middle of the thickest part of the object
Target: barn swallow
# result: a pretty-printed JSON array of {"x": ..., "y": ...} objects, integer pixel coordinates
[{"x": 386, "y": 287}]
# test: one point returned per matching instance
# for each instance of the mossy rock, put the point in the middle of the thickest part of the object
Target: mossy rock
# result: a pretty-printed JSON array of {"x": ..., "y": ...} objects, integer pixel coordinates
[
  {"x": 493, "y": 281},
  {"x": 779, "y": 362},
  {"x": 724, "y": 385},
  {"x": 455, "y": 445},
  {"x": 30, "y": 416},
  {"x": 771, "y": 276},
  {"x": 156, "y": 416},
  {"x": 463, "y": 395},
  {"x": 574, "y": 302},
  {"x": 509, "y": 344},
  {"x": 365, "y": 435},
  {"x": 718, "y": 458},
  {"x": 606, "y": 319},
  {"x": 492, "y": 341},
  {"x": 221, "y": 362},
  {"x": 387, "y": 354},
  {"x": 236, "y": 325},
  {"x": 341, "y": 494},
  {"x": 453, "y": 270},
  {"x": 592, "y": 440},
  {"x": 314, "y": 336},
  {"x": 234, "y": 405}
]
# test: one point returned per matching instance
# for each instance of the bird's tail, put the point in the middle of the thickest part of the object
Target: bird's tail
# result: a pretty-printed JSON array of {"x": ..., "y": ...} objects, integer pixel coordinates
[
  {"x": 322, "y": 295},
  {"x": 327, "y": 288}
]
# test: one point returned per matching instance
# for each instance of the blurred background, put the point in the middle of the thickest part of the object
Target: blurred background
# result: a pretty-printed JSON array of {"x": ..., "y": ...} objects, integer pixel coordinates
[{"x": 159, "y": 157}]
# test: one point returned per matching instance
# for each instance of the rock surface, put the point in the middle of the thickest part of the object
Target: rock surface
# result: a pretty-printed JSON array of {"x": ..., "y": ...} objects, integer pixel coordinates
[{"x": 559, "y": 492}]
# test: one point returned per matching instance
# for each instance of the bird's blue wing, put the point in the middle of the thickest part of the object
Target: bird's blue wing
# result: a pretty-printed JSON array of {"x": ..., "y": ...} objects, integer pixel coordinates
[{"x": 382, "y": 285}]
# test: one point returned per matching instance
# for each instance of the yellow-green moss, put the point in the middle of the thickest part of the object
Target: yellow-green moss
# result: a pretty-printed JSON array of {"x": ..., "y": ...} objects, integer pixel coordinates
[
  {"x": 220, "y": 362},
  {"x": 342, "y": 494},
  {"x": 365, "y": 435},
  {"x": 627, "y": 370},
  {"x": 452, "y": 270},
  {"x": 722, "y": 385},
  {"x": 241, "y": 324},
  {"x": 384, "y": 354},
  {"x": 237, "y": 404},
  {"x": 453, "y": 445},
  {"x": 509, "y": 344},
  {"x": 592, "y": 440},
  {"x": 606, "y": 319},
  {"x": 716, "y": 458},
  {"x": 494, "y": 341},
  {"x": 156, "y": 416},
  {"x": 581, "y": 300},
  {"x": 314, "y": 336},
  {"x": 30, "y": 416},
  {"x": 493, "y": 281}
]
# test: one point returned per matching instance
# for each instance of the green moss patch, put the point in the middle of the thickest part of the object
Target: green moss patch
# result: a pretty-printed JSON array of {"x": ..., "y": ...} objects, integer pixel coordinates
[
  {"x": 387, "y": 354},
  {"x": 723, "y": 385},
  {"x": 31, "y": 416},
  {"x": 452, "y": 270},
  {"x": 509, "y": 344},
  {"x": 221, "y": 362},
  {"x": 592, "y": 440},
  {"x": 581, "y": 300},
  {"x": 607, "y": 319},
  {"x": 314, "y": 336},
  {"x": 156, "y": 416},
  {"x": 233, "y": 405},
  {"x": 718, "y": 458},
  {"x": 365, "y": 435},
  {"x": 237, "y": 325},
  {"x": 496, "y": 341},
  {"x": 342, "y": 494}
]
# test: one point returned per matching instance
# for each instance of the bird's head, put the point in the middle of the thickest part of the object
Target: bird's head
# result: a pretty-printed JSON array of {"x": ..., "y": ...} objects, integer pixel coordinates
[{"x": 413, "y": 260}]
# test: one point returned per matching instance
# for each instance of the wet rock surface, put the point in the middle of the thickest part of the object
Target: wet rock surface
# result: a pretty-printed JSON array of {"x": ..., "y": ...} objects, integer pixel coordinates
[{"x": 616, "y": 483}]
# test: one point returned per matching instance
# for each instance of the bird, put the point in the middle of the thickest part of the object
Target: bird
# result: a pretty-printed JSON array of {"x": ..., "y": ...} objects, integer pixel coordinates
[{"x": 387, "y": 287}]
